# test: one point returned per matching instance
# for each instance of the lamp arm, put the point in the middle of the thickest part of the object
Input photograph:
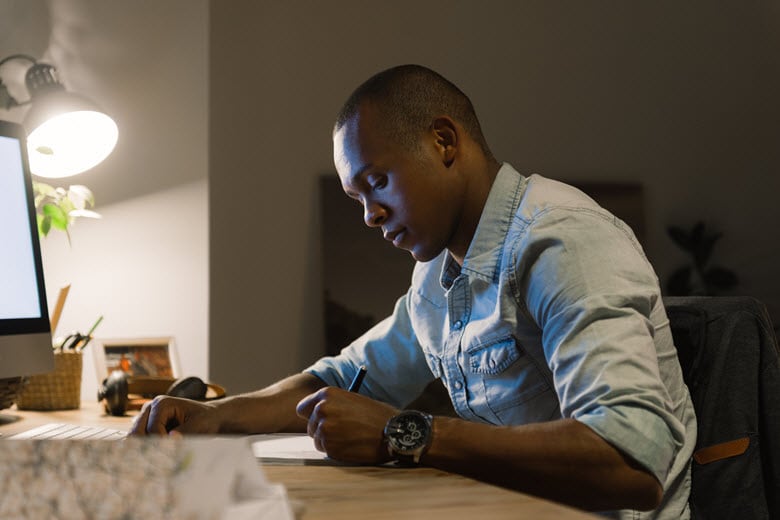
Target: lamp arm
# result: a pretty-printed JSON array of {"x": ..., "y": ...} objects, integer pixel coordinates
[
  {"x": 18, "y": 57},
  {"x": 7, "y": 101}
]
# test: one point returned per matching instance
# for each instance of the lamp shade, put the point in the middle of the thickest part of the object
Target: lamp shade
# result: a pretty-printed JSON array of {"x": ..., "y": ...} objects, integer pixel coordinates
[{"x": 66, "y": 133}]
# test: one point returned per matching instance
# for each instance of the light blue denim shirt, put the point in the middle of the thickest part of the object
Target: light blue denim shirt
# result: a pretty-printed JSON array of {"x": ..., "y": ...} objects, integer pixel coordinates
[{"x": 555, "y": 313}]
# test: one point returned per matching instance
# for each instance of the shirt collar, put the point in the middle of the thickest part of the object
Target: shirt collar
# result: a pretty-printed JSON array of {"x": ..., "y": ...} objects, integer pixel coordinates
[{"x": 487, "y": 245}]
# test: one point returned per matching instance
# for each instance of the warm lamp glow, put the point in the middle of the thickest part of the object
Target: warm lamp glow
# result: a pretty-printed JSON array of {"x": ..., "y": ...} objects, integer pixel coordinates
[
  {"x": 71, "y": 143},
  {"x": 66, "y": 133}
]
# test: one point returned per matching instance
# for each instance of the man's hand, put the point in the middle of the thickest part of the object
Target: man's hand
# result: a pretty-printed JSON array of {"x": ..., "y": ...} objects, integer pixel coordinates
[
  {"x": 164, "y": 415},
  {"x": 269, "y": 410},
  {"x": 347, "y": 426}
]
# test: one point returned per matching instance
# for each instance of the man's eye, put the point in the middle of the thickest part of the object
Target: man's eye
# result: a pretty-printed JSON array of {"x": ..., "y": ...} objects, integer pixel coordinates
[{"x": 379, "y": 183}]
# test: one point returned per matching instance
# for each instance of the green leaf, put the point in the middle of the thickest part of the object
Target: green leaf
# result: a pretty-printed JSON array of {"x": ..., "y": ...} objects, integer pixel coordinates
[
  {"x": 59, "y": 219},
  {"x": 42, "y": 192},
  {"x": 44, "y": 225},
  {"x": 57, "y": 207},
  {"x": 43, "y": 188},
  {"x": 66, "y": 205}
]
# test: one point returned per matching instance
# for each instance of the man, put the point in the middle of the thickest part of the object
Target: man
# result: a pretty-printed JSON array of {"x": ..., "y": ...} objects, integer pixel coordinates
[{"x": 534, "y": 306}]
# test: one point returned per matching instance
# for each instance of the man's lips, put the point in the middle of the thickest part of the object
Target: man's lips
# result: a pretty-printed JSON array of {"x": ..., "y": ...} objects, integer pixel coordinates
[{"x": 394, "y": 236}]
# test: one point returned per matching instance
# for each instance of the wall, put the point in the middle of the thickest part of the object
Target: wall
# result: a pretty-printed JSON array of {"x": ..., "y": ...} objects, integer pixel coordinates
[
  {"x": 144, "y": 266},
  {"x": 680, "y": 96}
]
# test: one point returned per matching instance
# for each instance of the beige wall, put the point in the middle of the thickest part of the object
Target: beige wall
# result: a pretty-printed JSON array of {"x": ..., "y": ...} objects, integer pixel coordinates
[
  {"x": 681, "y": 96},
  {"x": 144, "y": 266}
]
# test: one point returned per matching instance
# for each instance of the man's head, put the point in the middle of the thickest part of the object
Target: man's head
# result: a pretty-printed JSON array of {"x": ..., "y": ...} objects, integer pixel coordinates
[
  {"x": 407, "y": 99},
  {"x": 407, "y": 145}
]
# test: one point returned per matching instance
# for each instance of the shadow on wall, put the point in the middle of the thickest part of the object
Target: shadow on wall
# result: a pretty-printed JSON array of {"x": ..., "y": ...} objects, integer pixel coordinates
[
  {"x": 700, "y": 277},
  {"x": 342, "y": 325}
]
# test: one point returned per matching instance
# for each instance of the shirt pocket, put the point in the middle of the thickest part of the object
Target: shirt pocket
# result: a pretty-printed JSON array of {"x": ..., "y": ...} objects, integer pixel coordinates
[{"x": 504, "y": 378}]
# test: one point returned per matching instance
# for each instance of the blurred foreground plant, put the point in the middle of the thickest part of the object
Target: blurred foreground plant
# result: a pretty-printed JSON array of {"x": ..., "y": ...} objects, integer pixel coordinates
[{"x": 57, "y": 208}]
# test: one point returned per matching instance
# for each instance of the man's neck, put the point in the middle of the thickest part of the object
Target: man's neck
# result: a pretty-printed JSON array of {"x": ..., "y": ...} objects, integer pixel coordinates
[{"x": 479, "y": 185}]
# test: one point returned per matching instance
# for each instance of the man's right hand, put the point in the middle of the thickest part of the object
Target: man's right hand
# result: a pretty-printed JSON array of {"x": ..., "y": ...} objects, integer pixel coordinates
[
  {"x": 164, "y": 415},
  {"x": 269, "y": 410}
]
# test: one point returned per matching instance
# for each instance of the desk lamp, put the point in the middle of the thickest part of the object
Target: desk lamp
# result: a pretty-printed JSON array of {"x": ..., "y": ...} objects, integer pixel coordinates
[{"x": 66, "y": 133}]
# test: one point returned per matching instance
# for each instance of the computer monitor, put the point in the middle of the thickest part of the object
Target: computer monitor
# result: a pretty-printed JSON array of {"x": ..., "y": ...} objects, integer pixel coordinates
[{"x": 25, "y": 333}]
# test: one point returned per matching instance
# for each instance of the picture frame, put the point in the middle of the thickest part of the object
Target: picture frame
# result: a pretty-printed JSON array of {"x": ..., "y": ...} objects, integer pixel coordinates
[{"x": 155, "y": 356}]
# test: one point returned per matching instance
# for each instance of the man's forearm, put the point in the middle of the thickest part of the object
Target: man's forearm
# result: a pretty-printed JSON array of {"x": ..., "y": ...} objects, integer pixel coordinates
[
  {"x": 562, "y": 460},
  {"x": 269, "y": 410}
]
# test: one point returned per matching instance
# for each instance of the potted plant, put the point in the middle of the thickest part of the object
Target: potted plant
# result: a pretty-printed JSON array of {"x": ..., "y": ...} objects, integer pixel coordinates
[{"x": 58, "y": 207}]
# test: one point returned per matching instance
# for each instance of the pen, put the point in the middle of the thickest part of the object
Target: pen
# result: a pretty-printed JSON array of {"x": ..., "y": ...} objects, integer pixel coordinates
[
  {"x": 88, "y": 337},
  {"x": 361, "y": 373}
]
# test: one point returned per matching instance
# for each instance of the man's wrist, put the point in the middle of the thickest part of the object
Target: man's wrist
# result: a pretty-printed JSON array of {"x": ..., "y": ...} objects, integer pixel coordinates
[{"x": 407, "y": 436}]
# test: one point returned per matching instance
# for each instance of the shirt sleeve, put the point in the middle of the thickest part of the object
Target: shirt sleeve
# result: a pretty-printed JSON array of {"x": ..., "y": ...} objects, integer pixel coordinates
[
  {"x": 589, "y": 287},
  {"x": 396, "y": 370}
]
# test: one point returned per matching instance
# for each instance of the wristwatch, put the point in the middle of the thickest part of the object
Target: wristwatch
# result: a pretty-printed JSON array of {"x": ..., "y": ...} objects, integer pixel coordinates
[{"x": 408, "y": 436}]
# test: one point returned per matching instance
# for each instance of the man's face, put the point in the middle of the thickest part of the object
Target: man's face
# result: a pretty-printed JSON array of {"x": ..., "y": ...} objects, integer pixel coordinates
[{"x": 410, "y": 195}]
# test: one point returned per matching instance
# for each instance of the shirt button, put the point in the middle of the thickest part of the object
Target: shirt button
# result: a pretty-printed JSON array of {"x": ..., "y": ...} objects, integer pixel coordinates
[
  {"x": 458, "y": 385},
  {"x": 457, "y": 325}
]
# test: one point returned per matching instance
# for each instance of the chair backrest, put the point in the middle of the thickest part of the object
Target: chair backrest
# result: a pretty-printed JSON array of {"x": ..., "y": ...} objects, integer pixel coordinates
[{"x": 729, "y": 356}]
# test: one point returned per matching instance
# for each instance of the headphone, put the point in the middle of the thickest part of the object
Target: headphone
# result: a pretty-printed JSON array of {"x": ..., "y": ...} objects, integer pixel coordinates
[{"x": 120, "y": 391}]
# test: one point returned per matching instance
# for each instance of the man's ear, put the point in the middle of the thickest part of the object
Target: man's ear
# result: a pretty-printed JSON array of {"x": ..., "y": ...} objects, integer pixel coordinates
[{"x": 446, "y": 136}]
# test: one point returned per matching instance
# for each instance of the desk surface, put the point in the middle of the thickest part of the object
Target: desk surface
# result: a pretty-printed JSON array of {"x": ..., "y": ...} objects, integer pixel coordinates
[{"x": 345, "y": 493}]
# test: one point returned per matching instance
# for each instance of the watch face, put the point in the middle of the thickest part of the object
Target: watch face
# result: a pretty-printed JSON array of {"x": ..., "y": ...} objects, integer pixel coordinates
[{"x": 408, "y": 431}]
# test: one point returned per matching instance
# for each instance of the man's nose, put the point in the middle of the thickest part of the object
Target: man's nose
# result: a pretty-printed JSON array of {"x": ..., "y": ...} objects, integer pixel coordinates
[{"x": 374, "y": 215}]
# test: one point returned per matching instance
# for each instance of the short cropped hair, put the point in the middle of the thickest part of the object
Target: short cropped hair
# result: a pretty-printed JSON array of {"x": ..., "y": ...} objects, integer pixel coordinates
[{"x": 408, "y": 98}]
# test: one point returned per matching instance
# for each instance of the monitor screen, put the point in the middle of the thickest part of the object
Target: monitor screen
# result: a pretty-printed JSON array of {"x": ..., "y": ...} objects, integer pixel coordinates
[{"x": 25, "y": 337}]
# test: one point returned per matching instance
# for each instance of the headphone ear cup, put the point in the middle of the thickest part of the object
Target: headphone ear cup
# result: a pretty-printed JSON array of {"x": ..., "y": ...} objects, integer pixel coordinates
[{"x": 113, "y": 393}]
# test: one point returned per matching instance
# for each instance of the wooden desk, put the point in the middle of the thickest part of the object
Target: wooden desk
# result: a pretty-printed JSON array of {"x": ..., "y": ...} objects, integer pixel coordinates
[{"x": 346, "y": 493}]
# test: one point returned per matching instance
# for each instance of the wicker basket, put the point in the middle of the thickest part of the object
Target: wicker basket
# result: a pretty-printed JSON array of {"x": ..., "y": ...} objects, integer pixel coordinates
[
  {"x": 57, "y": 390},
  {"x": 9, "y": 387}
]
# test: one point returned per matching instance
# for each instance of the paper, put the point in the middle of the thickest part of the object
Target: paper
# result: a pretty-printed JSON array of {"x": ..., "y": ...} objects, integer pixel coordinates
[
  {"x": 287, "y": 448},
  {"x": 137, "y": 478}
]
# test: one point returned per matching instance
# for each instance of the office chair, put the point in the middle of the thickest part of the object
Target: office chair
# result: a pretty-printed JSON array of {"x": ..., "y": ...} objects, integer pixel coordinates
[{"x": 729, "y": 355}]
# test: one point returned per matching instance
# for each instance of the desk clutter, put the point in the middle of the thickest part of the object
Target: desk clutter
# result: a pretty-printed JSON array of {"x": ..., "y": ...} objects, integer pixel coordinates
[
  {"x": 120, "y": 392},
  {"x": 137, "y": 478},
  {"x": 59, "y": 389}
]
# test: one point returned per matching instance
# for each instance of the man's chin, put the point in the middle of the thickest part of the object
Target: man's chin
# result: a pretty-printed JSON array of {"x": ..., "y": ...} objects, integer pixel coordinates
[{"x": 423, "y": 256}]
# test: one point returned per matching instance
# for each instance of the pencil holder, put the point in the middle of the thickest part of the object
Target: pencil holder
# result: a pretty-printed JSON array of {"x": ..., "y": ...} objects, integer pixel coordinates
[{"x": 56, "y": 390}]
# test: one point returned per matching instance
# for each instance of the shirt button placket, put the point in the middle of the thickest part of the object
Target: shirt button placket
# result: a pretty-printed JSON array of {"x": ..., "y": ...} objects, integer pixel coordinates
[{"x": 458, "y": 310}]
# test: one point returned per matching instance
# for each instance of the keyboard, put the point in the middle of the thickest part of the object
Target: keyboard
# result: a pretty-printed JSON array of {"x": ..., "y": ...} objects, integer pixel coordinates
[{"x": 61, "y": 431}]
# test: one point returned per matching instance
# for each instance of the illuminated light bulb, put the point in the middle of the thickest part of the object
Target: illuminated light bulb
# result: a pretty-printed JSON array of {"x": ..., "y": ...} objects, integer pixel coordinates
[{"x": 70, "y": 143}]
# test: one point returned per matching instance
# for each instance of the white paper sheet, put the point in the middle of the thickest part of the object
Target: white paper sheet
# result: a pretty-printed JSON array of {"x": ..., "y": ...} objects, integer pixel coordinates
[{"x": 287, "y": 448}]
